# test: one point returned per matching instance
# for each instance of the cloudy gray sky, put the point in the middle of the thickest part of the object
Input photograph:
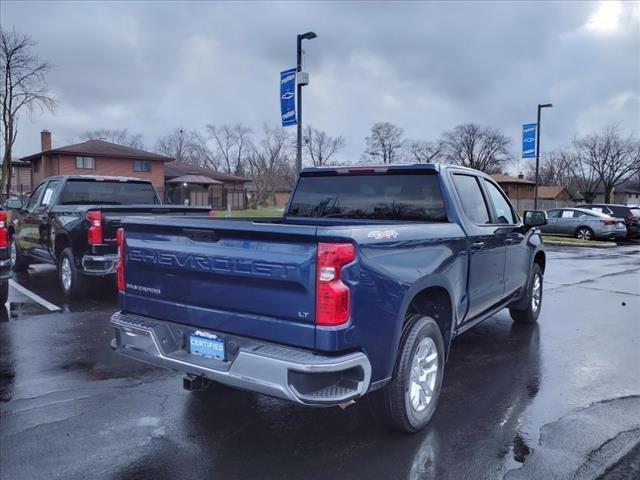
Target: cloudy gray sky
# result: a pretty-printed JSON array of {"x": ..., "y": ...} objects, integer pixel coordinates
[{"x": 153, "y": 66}]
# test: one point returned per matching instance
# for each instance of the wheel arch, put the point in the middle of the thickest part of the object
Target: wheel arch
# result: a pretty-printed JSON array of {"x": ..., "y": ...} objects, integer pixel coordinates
[
  {"x": 541, "y": 259},
  {"x": 61, "y": 241},
  {"x": 435, "y": 302}
]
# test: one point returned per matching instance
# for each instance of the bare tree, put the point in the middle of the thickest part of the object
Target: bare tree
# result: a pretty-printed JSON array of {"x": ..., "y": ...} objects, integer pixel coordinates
[
  {"x": 187, "y": 146},
  {"x": 121, "y": 137},
  {"x": 23, "y": 86},
  {"x": 424, "y": 152},
  {"x": 385, "y": 144},
  {"x": 320, "y": 147},
  {"x": 613, "y": 159},
  {"x": 556, "y": 168},
  {"x": 270, "y": 164},
  {"x": 232, "y": 143},
  {"x": 474, "y": 146}
]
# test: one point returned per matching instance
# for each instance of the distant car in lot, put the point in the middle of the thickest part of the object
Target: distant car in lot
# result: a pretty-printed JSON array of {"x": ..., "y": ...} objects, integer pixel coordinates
[
  {"x": 630, "y": 213},
  {"x": 584, "y": 224}
]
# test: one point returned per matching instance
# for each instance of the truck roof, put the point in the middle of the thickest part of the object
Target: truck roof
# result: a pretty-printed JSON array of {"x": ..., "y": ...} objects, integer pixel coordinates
[
  {"x": 380, "y": 168},
  {"x": 99, "y": 178}
]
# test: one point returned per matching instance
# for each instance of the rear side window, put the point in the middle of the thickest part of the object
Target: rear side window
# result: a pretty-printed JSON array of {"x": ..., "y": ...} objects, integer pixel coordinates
[
  {"x": 472, "y": 199},
  {"x": 108, "y": 192},
  {"x": 389, "y": 196},
  {"x": 503, "y": 210},
  {"x": 52, "y": 186}
]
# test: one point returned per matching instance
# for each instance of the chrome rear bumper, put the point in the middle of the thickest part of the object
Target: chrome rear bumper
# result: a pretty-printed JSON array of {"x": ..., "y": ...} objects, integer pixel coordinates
[{"x": 284, "y": 372}]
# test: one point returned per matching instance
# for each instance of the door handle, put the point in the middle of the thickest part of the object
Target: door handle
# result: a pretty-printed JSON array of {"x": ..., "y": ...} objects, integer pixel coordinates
[
  {"x": 477, "y": 245},
  {"x": 508, "y": 241}
]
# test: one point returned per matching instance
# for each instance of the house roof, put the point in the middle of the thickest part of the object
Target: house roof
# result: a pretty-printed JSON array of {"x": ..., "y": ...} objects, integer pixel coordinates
[
  {"x": 550, "y": 191},
  {"x": 200, "y": 179},
  {"x": 100, "y": 148},
  {"x": 175, "y": 169},
  {"x": 507, "y": 179}
]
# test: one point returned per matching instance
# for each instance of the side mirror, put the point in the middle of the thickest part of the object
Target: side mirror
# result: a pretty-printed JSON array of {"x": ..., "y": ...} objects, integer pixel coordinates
[
  {"x": 14, "y": 203},
  {"x": 535, "y": 218}
]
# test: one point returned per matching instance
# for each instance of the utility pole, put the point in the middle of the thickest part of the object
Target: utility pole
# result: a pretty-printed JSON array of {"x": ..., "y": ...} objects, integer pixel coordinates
[
  {"x": 299, "y": 84},
  {"x": 535, "y": 197}
]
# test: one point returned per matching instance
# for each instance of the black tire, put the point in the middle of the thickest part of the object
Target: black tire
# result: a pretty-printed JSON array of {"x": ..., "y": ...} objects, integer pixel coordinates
[
  {"x": 393, "y": 401},
  {"x": 20, "y": 263},
  {"x": 4, "y": 291},
  {"x": 76, "y": 286},
  {"x": 531, "y": 313},
  {"x": 585, "y": 233}
]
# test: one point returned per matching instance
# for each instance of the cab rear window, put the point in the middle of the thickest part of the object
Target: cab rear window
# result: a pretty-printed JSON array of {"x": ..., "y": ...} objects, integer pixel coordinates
[
  {"x": 108, "y": 192},
  {"x": 405, "y": 197}
]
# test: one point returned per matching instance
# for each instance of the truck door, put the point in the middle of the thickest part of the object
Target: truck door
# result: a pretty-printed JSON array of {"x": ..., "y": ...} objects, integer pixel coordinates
[
  {"x": 27, "y": 231},
  {"x": 41, "y": 218},
  {"x": 487, "y": 249},
  {"x": 516, "y": 273}
]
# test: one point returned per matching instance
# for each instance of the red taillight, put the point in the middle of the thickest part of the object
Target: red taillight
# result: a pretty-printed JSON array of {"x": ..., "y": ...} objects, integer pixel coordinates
[
  {"x": 120, "y": 262},
  {"x": 4, "y": 236},
  {"x": 609, "y": 222},
  {"x": 95, "y": 230},
  {"x": 332, "y": 296},
  {"x": 631, "y": 218}
]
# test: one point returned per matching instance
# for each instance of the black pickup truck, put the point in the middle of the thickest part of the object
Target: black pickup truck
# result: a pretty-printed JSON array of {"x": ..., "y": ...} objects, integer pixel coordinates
[{"x": 71, "y": 222}]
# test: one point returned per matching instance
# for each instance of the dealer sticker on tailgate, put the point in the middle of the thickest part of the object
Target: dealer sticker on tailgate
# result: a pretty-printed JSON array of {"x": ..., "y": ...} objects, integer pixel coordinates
[{"x": 206, "y": 345}]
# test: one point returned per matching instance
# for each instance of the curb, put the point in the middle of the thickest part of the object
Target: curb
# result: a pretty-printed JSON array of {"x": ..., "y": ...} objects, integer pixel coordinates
[{"x": 560, "y": 243}]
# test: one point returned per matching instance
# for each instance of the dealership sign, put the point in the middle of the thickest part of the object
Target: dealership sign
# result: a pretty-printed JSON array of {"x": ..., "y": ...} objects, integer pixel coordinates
[
  {"x": 288, "y": 97},
  {"x": 529, "y": 140}
]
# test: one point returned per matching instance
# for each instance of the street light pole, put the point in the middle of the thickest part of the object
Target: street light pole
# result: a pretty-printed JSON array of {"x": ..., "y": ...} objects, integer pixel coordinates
[
  {"x": 304, "y": 36},
  {"x": 535, "y": 197}
]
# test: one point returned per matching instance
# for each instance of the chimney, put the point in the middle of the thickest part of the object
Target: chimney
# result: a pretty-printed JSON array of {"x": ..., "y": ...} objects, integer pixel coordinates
[
  {"x": 521, "y": 175},
  {"x": 45, "y": 140}
]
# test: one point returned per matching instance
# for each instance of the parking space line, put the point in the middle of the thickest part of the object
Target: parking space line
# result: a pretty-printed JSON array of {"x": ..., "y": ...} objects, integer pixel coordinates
[{"x": 35, "y": 297}]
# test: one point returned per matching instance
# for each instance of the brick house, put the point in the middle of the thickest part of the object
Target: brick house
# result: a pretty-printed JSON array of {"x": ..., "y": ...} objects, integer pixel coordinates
[
  {"x": 554, "y": 192},
  {"x": 516, "y": 188},
  {"x": 20, "y": 177},
  {"x": 96, "y": 157},
  {"x": 200, "y": 186}
]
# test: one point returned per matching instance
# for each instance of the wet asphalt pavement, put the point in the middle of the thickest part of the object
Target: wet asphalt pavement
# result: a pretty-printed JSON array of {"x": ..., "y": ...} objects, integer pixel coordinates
[{"x": 558, "y": 399}]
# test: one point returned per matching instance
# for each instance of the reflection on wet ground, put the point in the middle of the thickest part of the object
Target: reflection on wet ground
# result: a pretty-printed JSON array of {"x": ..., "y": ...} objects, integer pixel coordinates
[{"x": 112, "y": 418}]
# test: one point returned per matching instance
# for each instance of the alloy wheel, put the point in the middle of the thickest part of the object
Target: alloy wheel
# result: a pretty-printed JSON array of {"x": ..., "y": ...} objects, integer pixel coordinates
[
  {"x": 424, "y": 373},
  {"x": 65, "y": 274}
]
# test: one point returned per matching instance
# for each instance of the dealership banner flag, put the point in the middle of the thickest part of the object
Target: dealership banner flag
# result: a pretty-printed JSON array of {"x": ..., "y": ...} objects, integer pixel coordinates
[
  {"x": 529, "y": 140},
  {"x": 288, "y": 97}
]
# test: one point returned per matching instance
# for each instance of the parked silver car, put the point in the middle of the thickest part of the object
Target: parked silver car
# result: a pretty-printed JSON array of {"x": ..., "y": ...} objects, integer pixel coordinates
[{"x": 584, "y": 224}]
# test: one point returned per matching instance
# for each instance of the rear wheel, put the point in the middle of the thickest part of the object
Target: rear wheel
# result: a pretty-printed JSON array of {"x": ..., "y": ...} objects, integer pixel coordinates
[
  {"x": 584, "y": 233},
  {"x": 534, "y": 302},
  {"x": 72, "y": 282},
  {"x": 410, "y": 400},
  {"x": 19, "y": 262}
]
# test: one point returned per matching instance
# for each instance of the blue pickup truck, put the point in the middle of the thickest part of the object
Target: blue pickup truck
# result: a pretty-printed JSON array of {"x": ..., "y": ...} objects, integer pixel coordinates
[{"x": 359, "y": 288}]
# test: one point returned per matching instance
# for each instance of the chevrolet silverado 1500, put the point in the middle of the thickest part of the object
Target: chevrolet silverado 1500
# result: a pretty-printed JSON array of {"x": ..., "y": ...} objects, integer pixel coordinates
[{"x": 360, "y": 287}]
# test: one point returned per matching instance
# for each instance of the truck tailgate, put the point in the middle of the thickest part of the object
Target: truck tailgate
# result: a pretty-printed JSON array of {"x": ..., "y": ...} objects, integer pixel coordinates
[
  {"x": 112, "y": 215},
  {"x": 236, "y": 277}
]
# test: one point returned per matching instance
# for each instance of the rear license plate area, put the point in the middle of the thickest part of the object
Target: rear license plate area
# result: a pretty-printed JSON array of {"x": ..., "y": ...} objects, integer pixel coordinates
[{"x": 207, "y": 345}]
